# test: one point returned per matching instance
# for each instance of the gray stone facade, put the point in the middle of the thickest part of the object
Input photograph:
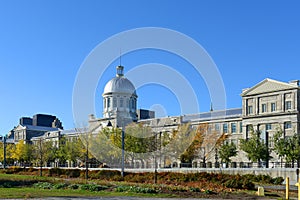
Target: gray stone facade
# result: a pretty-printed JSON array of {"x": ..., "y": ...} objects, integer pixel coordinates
[{"x": 268, "y": 106}]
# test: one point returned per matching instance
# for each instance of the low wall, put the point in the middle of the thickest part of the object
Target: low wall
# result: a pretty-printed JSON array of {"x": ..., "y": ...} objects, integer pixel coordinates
[{"x": 273, "y": 172}]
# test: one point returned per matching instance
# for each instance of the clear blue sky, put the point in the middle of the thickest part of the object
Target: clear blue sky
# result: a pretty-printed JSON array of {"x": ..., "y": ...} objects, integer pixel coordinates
[{"x": 43, "y": 44}]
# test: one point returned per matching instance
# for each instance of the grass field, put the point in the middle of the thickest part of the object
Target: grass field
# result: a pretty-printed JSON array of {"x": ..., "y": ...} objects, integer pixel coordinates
[{"x": 29, "y": 192}]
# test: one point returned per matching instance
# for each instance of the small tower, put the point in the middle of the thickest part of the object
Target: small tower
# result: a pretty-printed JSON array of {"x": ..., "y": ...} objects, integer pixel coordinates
[{"x": 120, "y": 71}]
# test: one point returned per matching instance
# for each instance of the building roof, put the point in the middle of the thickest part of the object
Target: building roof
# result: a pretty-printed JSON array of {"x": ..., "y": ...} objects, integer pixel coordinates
[
  {"x": 269, "y": 85},
  {"x": 36, "y": 128},
  {"x": 213, "y": 115}
]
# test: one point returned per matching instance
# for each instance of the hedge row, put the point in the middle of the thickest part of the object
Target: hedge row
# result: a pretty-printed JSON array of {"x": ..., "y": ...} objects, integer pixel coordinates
[{"x": 227, "y": 180}]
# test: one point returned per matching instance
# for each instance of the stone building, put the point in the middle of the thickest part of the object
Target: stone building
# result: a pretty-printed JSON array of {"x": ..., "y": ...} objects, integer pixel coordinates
[
  {"x": 268, "y": 106},
  {"x": 34, "y": 127}
]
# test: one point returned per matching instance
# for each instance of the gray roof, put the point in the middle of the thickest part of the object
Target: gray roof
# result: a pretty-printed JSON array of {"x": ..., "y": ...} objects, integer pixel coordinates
[
  {"x": 73, "y": 131},
  {"x": 207, "y": 116},
  {"x": 40, "y": 128},
  {"x": 119, "y": 85}
]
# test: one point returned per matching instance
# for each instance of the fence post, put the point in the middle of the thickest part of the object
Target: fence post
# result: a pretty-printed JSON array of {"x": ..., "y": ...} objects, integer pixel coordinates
[{"x": 287, "y": 188}]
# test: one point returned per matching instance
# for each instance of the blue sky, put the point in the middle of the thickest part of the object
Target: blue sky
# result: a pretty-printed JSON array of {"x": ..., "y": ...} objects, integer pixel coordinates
[{"x": 44, "y": 43}]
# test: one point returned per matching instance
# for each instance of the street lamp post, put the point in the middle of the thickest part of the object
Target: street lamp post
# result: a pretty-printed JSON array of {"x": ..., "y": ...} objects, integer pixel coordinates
[
  {"x": 216, "y": 158},
  {"x": 123, "y": 153},
  {"x": 155, "y": 159},
  {"x": 4, "y": 152}
]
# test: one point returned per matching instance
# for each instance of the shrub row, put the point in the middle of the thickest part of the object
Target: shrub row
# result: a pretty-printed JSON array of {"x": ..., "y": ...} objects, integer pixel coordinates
[
  {"x": 230, "y": 181},
  {"x": 265, "y": 179},
  {"x": 135, "y": 189},
  {"x": 16, "y": 183},
  {"x": 89, "y": 187},
  {"x": 71, "y": 173}
]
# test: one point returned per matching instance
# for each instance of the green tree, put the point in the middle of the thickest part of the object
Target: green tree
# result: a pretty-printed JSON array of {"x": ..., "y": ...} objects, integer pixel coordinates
[
  {"x": 226, "y": 151},
  {"x": 255, "y": 147},
  {"x": 43, "y": 153},
  {"x": 287, "y": 147},
  {"x": 72, "y": 149},
  {"x": 61, "y": 151}
]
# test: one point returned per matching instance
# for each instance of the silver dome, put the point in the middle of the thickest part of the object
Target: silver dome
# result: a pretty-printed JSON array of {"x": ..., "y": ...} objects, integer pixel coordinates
[{"x": 119, "y": 85}]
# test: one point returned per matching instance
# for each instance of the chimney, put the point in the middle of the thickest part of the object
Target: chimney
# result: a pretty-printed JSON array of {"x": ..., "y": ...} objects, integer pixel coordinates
[{"x": 294, "y": 82}]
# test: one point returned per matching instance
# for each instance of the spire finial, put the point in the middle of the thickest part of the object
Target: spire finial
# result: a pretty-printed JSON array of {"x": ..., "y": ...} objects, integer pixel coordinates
[{"x": 211, "y": 107}]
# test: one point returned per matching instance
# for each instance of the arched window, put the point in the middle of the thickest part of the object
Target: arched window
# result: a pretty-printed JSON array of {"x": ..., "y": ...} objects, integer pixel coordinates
[
  {"x": 114, "y": 102},
  {"x": 132, "y": 103}
]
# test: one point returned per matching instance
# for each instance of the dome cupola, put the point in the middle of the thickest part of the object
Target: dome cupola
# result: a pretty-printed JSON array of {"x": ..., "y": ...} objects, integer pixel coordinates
[
  {"x": 119, "y": 84},
  {"x": 119, "y": 98}
]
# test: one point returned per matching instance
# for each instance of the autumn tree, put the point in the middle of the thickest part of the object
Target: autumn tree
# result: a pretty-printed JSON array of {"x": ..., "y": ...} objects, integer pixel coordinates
[
  {"x": 180, "y": 141},
  {"x": 193, "y": 150},
  {"x": 10, "y": 148},
  {"x": 23, "y": 152}
]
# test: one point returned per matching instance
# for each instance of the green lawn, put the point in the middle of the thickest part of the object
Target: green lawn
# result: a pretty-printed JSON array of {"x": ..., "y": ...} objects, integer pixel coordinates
[{"x": 27, "y": 192}]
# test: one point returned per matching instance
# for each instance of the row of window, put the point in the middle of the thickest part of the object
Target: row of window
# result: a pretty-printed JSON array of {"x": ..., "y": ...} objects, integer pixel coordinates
[
  {"x": 287, "y": 125},
  {"x": 264, "y": 107},
  {"x": 233, "y": 127},
  {"x": 129, "y": 103}
]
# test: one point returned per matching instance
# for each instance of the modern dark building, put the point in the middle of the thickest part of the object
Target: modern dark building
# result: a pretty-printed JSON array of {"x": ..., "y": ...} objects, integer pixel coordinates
[
  {"x": 26, "y": 121},
  {"x": 145, "y": 114},
  {"x": 46, "y": 120}
]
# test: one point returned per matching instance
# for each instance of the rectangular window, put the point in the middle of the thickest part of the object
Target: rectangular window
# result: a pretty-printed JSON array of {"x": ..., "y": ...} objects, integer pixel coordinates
[
  {"x": 217, "y": 126},
  {"x": 225, "y": 128},
  {"x": 264, "y": 108},
  {"x": 250, "y": 110},
  {"x": 249, "y": 128},
  {"x": 268, "y": 126},
  {"x": 271, "y": 142},
  {"x": 121, "y": 102},
  {"x": 288, "y": 105},
  {"x": 273, "y": 107},
  {"x": 233, "y": 127},
  {"x": 287, "y": 125},
  {"x": 241, "y": 127}
]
